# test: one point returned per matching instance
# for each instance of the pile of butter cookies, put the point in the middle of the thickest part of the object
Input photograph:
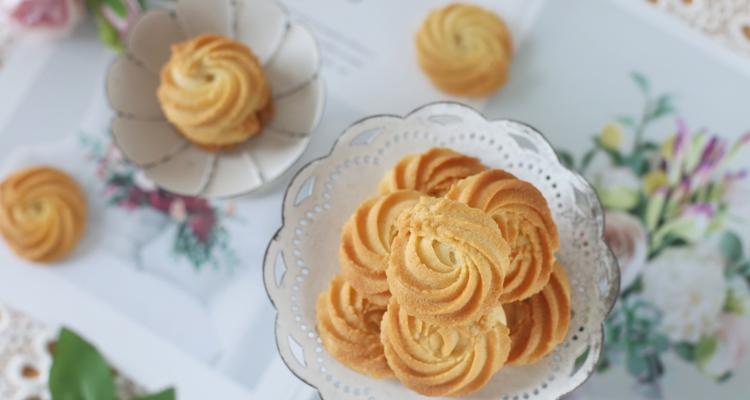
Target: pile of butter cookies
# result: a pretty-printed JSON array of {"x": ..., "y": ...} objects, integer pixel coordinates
[{"x": 446, "y": 276}]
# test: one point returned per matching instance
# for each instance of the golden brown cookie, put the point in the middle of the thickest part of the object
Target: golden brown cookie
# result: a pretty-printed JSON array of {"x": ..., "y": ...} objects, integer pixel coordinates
[
  {"x": 349, "y": 327},
  {"x": 42, "y": 213},
  {"x": 525, "y": 220},
  {"x": 366, "y": 242},
  {"x": 214, "y": 90},
  {"x": 539, "y": 323},
  {"x": 432, "y": 172},
  {"x": 465, "y": 50},
  {"x": 447, "y": 262},
  {"x": 441, "y": 360}
]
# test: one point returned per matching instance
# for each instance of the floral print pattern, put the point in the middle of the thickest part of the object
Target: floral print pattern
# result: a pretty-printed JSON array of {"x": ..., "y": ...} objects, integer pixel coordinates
[
  {"x": 200, "y": 237},
  {"x": 685, "y": 273}
]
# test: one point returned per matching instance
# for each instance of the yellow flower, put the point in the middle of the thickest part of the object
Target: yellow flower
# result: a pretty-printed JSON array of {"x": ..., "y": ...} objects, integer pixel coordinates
[
  {"x": 667, "y": 148},
  {"x": 654, "y": 180},
  {"x": 611, "y": 136}
]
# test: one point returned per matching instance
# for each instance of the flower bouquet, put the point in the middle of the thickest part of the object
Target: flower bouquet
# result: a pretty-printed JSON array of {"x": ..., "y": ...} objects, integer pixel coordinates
[
  {"x": 685, "y": 275},
  {"x": 52, "y": 19}
]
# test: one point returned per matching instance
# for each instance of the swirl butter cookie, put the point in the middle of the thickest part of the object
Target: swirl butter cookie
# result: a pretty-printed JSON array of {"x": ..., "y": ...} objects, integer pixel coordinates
[
  {"x": 349, "y": 327},
  {"x": 464, "y": 49},
  {"x": 524, "y": 218},
  {"x": 447, "y": 263},
  {"x": 366, "y": 242},
  {"x": 432, "y": 172},
  {"x": 42, "y": 213},
  {"x": 215, "y": 92},
  {"x": 439, "y": 360},
  {"x": 539, "y": 323}
]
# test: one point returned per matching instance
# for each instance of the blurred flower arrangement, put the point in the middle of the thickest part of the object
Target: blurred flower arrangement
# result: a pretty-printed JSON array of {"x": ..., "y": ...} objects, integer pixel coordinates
[
  {"x": 685, "y": 276},
  {"x": 200, "y": 236},
  {"x": 52, "y": 19}
]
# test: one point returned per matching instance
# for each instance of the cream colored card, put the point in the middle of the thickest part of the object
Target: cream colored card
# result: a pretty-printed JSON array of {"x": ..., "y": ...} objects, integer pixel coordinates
[{"x": 368, "y": 48}]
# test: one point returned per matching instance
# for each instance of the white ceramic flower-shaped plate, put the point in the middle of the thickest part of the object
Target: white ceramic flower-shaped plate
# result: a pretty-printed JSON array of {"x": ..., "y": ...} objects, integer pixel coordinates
[
  {"x": 303, "y": 256},
  {"x": 291, "y": 60}
]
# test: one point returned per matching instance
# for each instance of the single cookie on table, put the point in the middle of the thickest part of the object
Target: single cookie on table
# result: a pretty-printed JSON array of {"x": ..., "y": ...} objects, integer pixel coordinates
[
  {"x": 366, "y": 243},
  {"x": 214, "y": 90},
  {"x": 432, "y": 172},
  {"x": 465, "y": 50},
  {"x": 444, "y": 360},
  {"x": 525, "y": 220},
  {"x": 42, "y": 213},
  {"x": 539, "y": 323},
  {"x": 349, "y": 327},
  {"x": 447, "y": 263}
]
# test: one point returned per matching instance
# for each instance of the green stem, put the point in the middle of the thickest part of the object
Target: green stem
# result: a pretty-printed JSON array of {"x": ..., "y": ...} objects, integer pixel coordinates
[
  {"x": 587, "y": 158},
  {"x": 641, "y": 127}
]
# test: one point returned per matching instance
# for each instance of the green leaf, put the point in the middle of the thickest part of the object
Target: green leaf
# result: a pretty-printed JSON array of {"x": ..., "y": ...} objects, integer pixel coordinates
[
  {"x": 742, "y": 269},
  {"x": 660, "y": 343},
  {"x": 566, "y": 158},
  {"x": 724, "y": 377},
  {"x": 650, "y": 146},
  {"x": 684, "y": 350},
  {"x": 662, "y": 107},
  {"x": 619, "y": 198},
  {"x": 638, "y": 163},
  {"x": 166, "y": 394},
  {"x": 641, "y": 81},
  {"x": 731, "y": 246},
  {"x": 108, "y": 34},
  {"x": 78, "y": 371},
  {"x": 614, "y": 155},
  {"x": 626, "y": 120},
  {"x": 603, "y": 365},
  {"x": 636, "y": 364},
  {"x": 705, "y": 349},
  {"x": 118, "y": 7},
  {"x": 733, "y": 304},
  {"x": 93, "y": 5},
  {"x": 654, "y": 209}
]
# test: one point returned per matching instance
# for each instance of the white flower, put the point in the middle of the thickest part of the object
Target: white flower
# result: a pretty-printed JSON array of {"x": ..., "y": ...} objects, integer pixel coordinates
[
  {"x": 733, "y": 345},
  {"x": 740, "y": 295},
  {"x": 618, "y": 188},
  {"x": 689, "y": 289},
  {"x": 627, "y": 238}
]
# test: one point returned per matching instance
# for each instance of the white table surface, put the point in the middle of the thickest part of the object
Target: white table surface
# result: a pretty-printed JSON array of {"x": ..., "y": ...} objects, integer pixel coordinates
[{"x": 41, "y": 101}]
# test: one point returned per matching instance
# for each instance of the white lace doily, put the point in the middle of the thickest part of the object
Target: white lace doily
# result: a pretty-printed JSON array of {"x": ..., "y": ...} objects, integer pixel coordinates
[
  {"x": 303, "y": 256},
  {"x": 727, "y": 21},
  {"x": 26, "y": 348}
]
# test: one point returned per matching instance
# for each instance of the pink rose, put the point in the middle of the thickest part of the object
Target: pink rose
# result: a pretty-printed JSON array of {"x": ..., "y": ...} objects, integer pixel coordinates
[
  {"x": 202, "y": 225},
  {"x": 627, "y": 238},
  {"x": 41, "y": 19},
  {"x": 161, "y": 200},
  {"x": 196, "y": 205},
  {"x": 733, "y": 347}
]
